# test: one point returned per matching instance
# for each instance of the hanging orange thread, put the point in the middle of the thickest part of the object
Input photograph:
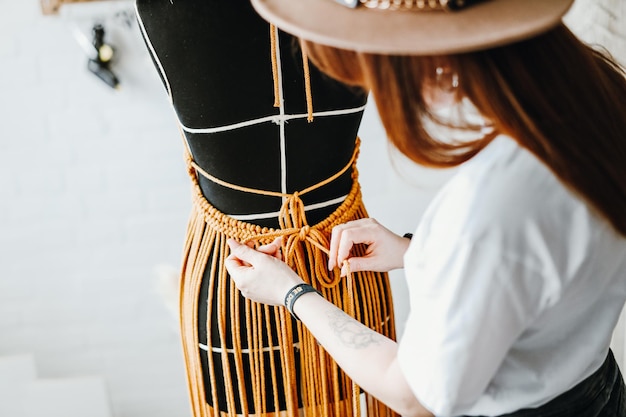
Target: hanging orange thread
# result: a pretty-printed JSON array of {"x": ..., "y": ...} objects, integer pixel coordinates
[
  {"x": 307, "y": 86},
  {"x": 275, "y": 76},
  {"x": 247, "y": 355},
  {"x": 274, "y": 58}
]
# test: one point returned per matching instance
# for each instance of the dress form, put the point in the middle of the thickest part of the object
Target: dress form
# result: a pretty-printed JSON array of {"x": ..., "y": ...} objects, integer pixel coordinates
[{"x": 249, "y": 125}]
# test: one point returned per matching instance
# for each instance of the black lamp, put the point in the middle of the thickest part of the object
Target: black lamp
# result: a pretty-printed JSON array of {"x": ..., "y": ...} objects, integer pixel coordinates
[{"x": 99, "y": 62}]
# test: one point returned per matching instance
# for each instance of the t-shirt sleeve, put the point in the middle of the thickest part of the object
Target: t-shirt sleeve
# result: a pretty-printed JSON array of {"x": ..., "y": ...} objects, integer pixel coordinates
[{"x": 469, "y": 302}]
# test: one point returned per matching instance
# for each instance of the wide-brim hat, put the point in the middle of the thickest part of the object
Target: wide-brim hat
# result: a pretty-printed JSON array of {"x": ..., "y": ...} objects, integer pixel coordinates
[{"x": 479, "y": 25}]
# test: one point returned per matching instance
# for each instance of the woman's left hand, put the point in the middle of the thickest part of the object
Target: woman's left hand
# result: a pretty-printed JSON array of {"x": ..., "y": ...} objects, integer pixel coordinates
[{"x": 260, "y": 276}]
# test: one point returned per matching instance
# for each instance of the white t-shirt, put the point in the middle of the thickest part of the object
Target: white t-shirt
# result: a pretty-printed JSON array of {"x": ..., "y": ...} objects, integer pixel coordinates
[{"x": 515, "y": 286}]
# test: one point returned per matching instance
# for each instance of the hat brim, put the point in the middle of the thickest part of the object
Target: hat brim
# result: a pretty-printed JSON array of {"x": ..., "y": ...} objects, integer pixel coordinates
[{"x": 484, "y": 25}]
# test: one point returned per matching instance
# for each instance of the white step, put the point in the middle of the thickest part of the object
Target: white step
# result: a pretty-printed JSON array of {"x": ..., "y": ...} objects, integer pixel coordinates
[
  {"x": 67, "y": 397},
  {"x": 22, "y": 394},
  {"x": 15, "y": 369},
  {"x": 16, "y": 372}
]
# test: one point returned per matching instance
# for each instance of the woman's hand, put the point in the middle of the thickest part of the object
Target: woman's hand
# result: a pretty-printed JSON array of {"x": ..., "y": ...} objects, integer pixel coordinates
[
  {"x": 385, "y": 249},
  {"x": 273, "y": 249},
  {"x": 260, "y": 275}
]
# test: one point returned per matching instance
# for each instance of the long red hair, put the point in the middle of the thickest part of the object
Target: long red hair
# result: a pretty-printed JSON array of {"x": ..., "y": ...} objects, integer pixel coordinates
[{"x": 557, "y": 97}]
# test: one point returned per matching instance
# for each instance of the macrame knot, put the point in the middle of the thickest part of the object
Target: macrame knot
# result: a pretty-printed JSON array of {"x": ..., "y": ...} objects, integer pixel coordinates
[
  {"x": 292, "y": 214},
  {"x": 304, "y": 232}
]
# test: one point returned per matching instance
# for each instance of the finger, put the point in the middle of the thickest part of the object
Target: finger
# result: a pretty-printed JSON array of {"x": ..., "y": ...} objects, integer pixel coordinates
[
  {"x": 249, "y": 244},
  {"x": 364, "y": 233},
  {"x": 242, "y": 252},
  {"x": 233, "y": 266},
  {"x": 268, "y": 249},
  {"x": 345, "y": 246},
  {"x": 276, "y": 243},
  {"x": 237, "y": 272},
  {"x": 335, "y": 237},
  {"x": 355, "y": 265},
  {"x": 345, "y": 236},
  {"x": 240, "y": 262},
  {"x": 279, "y": 244},
  {"x": 271, "y": 249},
  {"x": 233, "y": 243}
]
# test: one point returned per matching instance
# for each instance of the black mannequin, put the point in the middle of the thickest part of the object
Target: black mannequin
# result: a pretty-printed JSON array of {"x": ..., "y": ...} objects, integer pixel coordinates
[
  {"x": 218, "y": 70},
  {"x": 215, "y": 61}
]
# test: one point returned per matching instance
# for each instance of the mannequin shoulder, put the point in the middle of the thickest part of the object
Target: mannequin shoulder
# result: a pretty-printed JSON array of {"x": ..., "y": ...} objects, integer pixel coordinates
[{"x": 202, "y": 20}]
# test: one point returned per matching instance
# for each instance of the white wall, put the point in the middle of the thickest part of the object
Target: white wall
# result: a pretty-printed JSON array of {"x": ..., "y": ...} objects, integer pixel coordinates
[
  {"x": 601, "y": 22},
  {"x": 94, "y": 196}
]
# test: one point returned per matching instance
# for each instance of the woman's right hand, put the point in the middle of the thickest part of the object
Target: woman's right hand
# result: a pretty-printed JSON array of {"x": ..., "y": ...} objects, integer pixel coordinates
[{"x": 385, "y": 249}]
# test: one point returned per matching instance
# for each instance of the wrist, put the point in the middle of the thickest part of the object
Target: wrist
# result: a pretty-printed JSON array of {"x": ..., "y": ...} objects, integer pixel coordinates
[
  {"x": 404, "y": 243},
  {"x": 295, "y": 293}
]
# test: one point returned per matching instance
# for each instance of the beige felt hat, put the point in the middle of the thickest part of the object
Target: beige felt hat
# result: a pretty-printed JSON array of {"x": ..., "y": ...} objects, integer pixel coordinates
[{"x": 417, "y": 27}]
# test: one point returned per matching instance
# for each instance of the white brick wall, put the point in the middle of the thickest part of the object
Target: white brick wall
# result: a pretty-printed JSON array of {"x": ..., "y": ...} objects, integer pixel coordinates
[
  {"x": 94, "y": 196},
  {"x": 601, "y": 22}
]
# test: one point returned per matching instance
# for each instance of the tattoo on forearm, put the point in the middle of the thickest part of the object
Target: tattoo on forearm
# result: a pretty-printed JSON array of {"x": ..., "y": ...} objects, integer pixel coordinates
[{"x": 352, "y": 333}]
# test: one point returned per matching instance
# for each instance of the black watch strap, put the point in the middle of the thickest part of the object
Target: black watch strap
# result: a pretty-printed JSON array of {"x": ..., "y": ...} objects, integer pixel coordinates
[{"x": 295, "y": 293}]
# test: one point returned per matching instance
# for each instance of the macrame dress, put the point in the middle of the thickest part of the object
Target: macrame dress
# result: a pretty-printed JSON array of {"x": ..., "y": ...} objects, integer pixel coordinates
[{"x": 271, "y": 148}]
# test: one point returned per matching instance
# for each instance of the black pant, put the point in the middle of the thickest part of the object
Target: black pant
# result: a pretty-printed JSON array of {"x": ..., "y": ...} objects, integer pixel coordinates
[{"x": 600, "y": 395}]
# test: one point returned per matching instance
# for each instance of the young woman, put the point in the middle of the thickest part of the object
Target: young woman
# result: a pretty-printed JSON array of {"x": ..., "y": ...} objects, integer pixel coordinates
[{"x": 517, "y": 271}]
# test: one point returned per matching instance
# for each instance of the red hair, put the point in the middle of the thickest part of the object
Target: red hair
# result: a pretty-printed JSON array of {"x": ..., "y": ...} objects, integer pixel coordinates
[{"x": 557, "y": 97}]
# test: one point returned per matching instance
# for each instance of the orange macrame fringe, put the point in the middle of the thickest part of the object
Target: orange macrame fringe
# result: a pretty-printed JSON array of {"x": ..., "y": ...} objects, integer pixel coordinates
[{"x": 325, "y": 391}]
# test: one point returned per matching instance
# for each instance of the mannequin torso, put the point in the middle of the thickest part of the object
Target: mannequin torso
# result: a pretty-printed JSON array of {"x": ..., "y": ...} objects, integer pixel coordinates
[
  {"x": 217, "y": 70},
  {"x": 216, "y": 62}
]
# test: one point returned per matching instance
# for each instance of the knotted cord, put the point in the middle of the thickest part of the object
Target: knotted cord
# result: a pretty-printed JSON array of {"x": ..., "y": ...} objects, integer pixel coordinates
[
  {"x": 258, "y": 359},
  {"x": 292, "y": 221}
]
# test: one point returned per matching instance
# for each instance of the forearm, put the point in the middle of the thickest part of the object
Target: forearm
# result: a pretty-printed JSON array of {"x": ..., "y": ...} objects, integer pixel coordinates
[
  {"x": 352, "y": 344},
  {"x": 369, "y": 358}
]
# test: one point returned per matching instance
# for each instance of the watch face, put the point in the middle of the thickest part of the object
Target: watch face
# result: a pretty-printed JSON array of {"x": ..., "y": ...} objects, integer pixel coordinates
[{"x": 349, "y": 3}]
